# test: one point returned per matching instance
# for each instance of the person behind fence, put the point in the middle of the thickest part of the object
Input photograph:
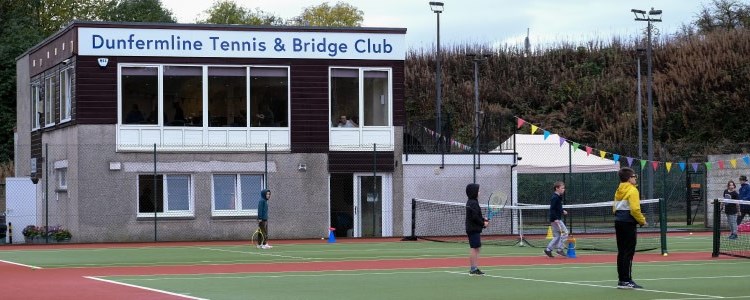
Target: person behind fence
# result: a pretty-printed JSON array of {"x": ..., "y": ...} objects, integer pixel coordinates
[
  {"x": 627, "y": 209},
  {"x": 556, "y": 212},
  {"x": 730, "y": 209},
  {"x": 265, "y": 195},
  {"x": 745, "y": 196},
  {"x": 475, "y": 222}
]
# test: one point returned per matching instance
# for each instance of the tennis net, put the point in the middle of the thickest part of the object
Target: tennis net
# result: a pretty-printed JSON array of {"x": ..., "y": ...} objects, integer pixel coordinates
[
  {"x": 591, "y": 225},
  {"x": 724, "y": 243}
]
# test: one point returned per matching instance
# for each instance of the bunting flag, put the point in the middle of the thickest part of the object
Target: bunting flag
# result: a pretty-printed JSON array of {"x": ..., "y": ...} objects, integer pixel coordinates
[
  {"x": 616, "y": 157},
  {"x": 588, "y": 150},
  {"x": 562, "y": 141},
  {"x": 630, "y": 161},
  {"x": 533, "y": 128},
  {"x": 655, "y": 165},
  {"x": 520, "y": 123},
  {"x": 575, "y": 146},
  {"x": 643, "y": 164},
  {"x": 669, "y": 166},
  {"x": 733, "y": 163},
  {"x": 682, "y": 166},
  {"x": 708, "y": 165},
  {"x": 546, "y": 135},
  {"x": 721, "y": 165},
  {"x": 695, "y": 167},
  {"x": 602, "y": 154},
  {"x": 747, "y": 160}
]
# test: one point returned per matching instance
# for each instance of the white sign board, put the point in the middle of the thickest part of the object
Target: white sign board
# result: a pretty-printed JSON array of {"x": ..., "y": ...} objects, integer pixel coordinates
[{"x": 240, "y": 44}]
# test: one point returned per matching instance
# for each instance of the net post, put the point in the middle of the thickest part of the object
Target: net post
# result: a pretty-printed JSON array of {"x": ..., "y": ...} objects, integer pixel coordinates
[
  {"x": 717, "y": 229},
  {"x": 663, "y": 224},
  {"x": 413, "y": 236}
]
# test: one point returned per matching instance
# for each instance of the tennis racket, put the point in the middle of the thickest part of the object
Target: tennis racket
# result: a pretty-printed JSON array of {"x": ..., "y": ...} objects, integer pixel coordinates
[
  {"x": 257, "y": 237},
  {"x": 496, "y": 203}
]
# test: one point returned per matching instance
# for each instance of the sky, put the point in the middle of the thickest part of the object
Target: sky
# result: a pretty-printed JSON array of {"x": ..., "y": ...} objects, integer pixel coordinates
[{"x": 486, "y": 22}]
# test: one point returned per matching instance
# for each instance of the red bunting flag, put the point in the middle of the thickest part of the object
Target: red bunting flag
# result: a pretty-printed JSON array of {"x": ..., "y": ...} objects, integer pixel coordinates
[
  {"x": 655, "y": 165},
  {"x": 588, "y": 150},
  {"x": 520, "y": 123}
]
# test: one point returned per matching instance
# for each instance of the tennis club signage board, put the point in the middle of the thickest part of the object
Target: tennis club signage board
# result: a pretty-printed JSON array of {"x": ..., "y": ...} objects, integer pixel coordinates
[{"x": 240, "y": 44}]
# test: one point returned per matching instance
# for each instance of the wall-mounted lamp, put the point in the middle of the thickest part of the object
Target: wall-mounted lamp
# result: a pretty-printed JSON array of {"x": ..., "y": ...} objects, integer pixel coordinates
[
  {"x": 302, "y": 167},
  {"x": 66, "y": 61},
  {"x": 102, "y": 61}
]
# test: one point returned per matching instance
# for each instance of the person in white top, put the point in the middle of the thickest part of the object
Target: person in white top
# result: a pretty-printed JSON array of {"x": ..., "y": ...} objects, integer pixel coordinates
[{"x": 344, "y": 122}]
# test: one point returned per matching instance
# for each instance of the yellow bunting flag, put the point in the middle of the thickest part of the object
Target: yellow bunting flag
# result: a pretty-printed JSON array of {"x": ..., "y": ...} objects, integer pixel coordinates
[
  {"x": 602, "y": 153},
  {"x": 734, "y": 163},
  {"x": 533, "y": 128},
  {"x": 669, "y": 166}
]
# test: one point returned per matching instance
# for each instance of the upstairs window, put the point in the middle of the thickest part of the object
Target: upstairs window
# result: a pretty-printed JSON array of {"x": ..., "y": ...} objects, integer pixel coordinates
[
  {"x": 50, "y": 94},
  {"x": 66, "y": 94},
  {"x": 140, "y": 89},
  {"x": 37, "y": 105}
]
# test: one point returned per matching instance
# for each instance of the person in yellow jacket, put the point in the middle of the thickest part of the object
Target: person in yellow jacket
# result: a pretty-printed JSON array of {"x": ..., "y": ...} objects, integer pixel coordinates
[{"x": 627, "y": 209}]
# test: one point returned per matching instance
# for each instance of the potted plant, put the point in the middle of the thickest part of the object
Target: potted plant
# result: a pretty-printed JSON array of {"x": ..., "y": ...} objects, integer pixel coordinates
[
  {"x": 61, "y": 235},
  {"x": 30, "y": 233}
]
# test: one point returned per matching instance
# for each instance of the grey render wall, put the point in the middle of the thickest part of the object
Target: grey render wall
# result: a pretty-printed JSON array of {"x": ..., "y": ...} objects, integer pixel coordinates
[
  {"x": 23, "y": 114},
  {"x": 108, "y": 198},
  {"x": 449, "y": 184},
  {"x": 717, "y": 182}
]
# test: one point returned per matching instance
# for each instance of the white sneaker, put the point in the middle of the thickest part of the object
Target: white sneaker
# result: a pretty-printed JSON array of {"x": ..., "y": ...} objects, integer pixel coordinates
[
  {"x": 266, "y": 246},
  {"x": 259, "y": 246}
]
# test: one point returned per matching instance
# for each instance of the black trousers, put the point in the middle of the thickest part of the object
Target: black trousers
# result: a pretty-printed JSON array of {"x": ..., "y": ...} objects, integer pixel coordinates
[
  {"x": 741, "y": 216},
  {"x": 627, "y": 236}
]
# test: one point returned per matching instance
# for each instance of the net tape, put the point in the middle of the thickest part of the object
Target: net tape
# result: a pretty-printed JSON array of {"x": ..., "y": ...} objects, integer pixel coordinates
[{"x": 521, "y": 206}]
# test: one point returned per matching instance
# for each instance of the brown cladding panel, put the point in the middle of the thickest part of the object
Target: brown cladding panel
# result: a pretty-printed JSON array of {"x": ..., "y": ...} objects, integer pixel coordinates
[
  {"x": 96, "y": 98},
  {"x": 350, "y": 162}
]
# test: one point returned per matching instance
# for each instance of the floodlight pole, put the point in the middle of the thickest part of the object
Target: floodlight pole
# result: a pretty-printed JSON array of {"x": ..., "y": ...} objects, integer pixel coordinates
[
  {"x": 477, "y": 111},
  {"x": 437, "y": 8},
  {"x": 640, "y": 15}
]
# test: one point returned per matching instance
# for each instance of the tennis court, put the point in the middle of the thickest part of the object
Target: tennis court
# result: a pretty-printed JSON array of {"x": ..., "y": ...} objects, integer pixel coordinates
[{"x": 363, "y": 270}]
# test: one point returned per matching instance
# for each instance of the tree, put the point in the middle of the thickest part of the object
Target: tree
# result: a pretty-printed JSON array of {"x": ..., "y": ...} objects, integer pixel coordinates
[
  {"x": 18, "y": 32},
  {"x": 724, "y": 14},
  {"x": 51, "y": 15},
  {"x": 137, "y": 11},
  {"x": 228, "y": 12},
  {"x": 340, "y": 15}
]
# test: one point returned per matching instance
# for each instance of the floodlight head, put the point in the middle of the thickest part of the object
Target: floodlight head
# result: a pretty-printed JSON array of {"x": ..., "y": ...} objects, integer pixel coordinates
[
  {"x": 654, "y": 12},
  {"x": 638, "y": 11},
  {"x": 436, "y": 7}
]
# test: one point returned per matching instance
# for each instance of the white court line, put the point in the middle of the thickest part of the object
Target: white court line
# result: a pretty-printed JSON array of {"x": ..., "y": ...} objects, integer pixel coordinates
[
  {"x": 145, "y": 288},
  {"x": 674, "y": 278},
  {"x": 586, "y": 284},
  {"x": 305, "y": 274},
  {"x": 18, "y": 264},
  {"x": 730, "y": 297},
  {"x": 256, "y": 253}
]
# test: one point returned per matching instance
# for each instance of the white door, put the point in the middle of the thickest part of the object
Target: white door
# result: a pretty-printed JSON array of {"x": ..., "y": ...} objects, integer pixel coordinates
[
  {"x": 373, "y": 204},
  {"x": 20, "y": 205}
]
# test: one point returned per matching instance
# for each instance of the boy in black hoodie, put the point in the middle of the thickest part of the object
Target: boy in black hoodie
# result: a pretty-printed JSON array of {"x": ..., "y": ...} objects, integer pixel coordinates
[{"x": 475, "y": 222}]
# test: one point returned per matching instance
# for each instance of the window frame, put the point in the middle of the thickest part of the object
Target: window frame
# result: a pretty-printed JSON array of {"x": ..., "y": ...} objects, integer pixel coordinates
[
  {"x": 66, "y": 96},
  {"x": 166, "y": 213},
  {"x": 49, "y": 99},
  {"x": 361, "y": 100},
  {"x": 36, "y": 98},
  {"x": 62, "y": 178},
  {"x": 237, "y": 211}
]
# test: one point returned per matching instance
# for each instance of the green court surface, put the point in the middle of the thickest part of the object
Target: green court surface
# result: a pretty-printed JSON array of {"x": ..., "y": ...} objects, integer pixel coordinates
[
  {"x": 706, "y": 278},
  {"x": 673, "y": 280}
]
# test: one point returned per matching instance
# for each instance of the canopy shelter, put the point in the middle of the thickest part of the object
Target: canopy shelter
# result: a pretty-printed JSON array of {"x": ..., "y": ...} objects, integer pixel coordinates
[{"x": 539, "y": 155}]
